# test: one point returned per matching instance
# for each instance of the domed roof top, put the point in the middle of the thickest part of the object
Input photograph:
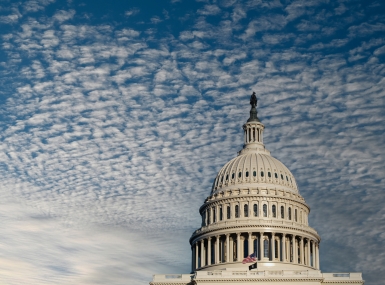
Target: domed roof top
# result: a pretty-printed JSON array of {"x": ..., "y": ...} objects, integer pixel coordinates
[
  {"x": 254, "y": 166},
  {"x": 252, "y": 170}
]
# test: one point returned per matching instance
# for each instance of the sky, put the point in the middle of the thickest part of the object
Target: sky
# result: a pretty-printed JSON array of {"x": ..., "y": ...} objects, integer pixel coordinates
[{"x": 115, "y": 117}]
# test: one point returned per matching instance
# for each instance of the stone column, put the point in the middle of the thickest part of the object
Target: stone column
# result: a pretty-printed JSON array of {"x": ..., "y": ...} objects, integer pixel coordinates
[
  {"x": 317, "y": 255},
  {"x": 302, "y": 250},
  {"x": 283, "y": 250},
  {"x": 227, "y": 248},
  {"x": 202, "y": 252},
  {"x": 217, "y": 250},
  {"x": 196, "y": 255},
  {"x": 295, "y": 250},
  {"x": 261, "y": 245},
  {"x": 308, "y": 253},
  {"x": 249, "y": 244},
  {"x": 209, "y": 251},
  {"x": 272, "y": 255}
]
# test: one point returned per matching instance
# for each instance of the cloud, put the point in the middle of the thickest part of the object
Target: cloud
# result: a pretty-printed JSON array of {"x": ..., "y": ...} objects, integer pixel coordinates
[
  {"x": 132, "y": 12},
  {"x": 108, "y": 130}
]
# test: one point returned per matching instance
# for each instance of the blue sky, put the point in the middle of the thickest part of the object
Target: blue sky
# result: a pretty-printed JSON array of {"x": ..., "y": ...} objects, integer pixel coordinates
[{"x": 115, "y": 117}]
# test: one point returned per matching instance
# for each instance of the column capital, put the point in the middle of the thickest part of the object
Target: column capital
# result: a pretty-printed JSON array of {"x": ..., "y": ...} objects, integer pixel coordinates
[{"x": 209, "y": 238}]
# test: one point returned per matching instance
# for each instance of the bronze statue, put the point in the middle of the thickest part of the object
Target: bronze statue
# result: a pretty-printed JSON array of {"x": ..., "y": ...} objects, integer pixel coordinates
[{"x": 253, "y": 100}]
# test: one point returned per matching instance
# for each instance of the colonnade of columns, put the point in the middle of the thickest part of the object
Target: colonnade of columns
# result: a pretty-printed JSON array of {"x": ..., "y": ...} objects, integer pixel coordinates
[
  {"x": 268, "y": 246},
  {"x": 253, "y": 134}
]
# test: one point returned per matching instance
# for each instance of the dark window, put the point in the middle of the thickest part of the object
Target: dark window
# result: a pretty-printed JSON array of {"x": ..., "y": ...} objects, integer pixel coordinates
[
  {"x": 232, "y": 176},
  {"x": 295, "y": 214},
  {"x": 222, "y": 179},
  {"x": 262, "y": 174},
  {"x": 276, "y": 249},
  {"x": 246, "y": 210},
  {"x": 204, "y": 218},
  {"x": 256, "y": 247},
  {"x": 247, "y": 174},
  {"x": 245, "y": 248},
  {"x": 255, "y": 210},
  {"x": 276, "y": 175},
  {"x": 220, "y": 214},
  {"x": 239, "y": 174},
  {"x": 227, "y": 177},
  {"x": 266, "y": 248},
  {"x": 228, "y": 212},
  {"x": 274, "y": 211},
  {"x": 281, "y": 176},
  {"x": 287, "y": 179},
  {"x": 282, "y": 212},
  {"x": 254, "y": 173},
  {"x": 265, "y": 210},
  {"x": 214, "y": 215},
  {"x": 208, "y": 217},
  {"x": 236, "y": 211},
  {"x": 289, "y": 213},
  {"x": 269, "y": 174}
]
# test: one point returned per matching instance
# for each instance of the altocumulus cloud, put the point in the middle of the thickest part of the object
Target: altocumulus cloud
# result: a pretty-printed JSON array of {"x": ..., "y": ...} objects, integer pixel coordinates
[{"x": 116, "y": 118}]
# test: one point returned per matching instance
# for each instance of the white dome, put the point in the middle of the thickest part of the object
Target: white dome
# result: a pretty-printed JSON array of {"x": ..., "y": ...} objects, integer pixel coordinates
[{"x": 252, "y": 170}]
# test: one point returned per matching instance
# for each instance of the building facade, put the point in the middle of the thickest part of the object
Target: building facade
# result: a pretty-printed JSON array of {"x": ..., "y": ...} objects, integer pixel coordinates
[{"x": 255, "y": 208}]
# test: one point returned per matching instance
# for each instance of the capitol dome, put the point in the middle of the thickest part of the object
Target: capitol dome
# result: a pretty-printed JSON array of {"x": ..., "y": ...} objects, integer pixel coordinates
[{"x": 255, "y": 227}]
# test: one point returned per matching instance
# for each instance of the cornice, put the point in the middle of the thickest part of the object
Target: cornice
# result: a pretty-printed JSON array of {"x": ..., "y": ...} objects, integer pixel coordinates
[
  {"x": 254, "y": 280},
  {"x": 256, "y": 226}
]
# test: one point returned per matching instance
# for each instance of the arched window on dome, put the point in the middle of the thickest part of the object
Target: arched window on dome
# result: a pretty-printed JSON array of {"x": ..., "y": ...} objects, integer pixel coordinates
[
  {"x": 295, "y": 215},
  {"x": 282, "y": 212},
  {"x": 289, "y": 213},
  {"x": 269, "y": 174},
  {"x": 208, "y": 217},
  {"x": 239, "y": 174},
  {"x": 220, "y": 213},
  {"x": 266, "y": 248},
  {"x": 254, "y": 173},
  {"x": 236, "y": 211},
  {"x": 276, "y": 175},
  {"x": 228, "y": 212},
  {"x": 281, "y": 176},
  {"x": 274, "y": 211},
  {"x": 255, "y": 210},
  {"x": 232, "y": 175},
  {"x": 214, "y": 215},
  {"x": 247, "y": 174},
  {"x": 264, "y": 210},
  {"x": 203, "y": 218},
  {"x": 245, "y": 210},
  {"x": 262, "y": 174},
  {"x": 227, "y": 177}
]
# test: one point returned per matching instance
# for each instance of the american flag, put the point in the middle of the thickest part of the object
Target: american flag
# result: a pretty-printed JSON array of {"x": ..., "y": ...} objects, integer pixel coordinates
[{"x": 251, "y": 258}]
